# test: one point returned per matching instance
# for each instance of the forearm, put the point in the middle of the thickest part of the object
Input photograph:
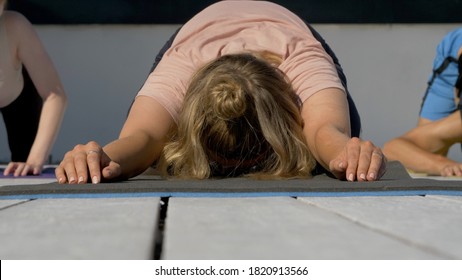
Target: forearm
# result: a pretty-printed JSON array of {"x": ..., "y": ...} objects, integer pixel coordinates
[
  {"x": 326, "y": 124},
  {"x": 49, "y": 124},
  {"x": 414, "y": 157},
  {"x": 134, "y": 153},
  {"x": 140, "y": 142},
  {"x": 327, "y": 143}
]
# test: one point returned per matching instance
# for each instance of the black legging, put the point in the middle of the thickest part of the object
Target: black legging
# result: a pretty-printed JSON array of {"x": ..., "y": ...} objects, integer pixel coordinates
[{"x": 21, "y": 119}]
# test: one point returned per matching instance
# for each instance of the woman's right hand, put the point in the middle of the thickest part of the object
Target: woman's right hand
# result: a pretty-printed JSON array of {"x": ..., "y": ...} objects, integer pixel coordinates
[{"x": 87, "y": 163}]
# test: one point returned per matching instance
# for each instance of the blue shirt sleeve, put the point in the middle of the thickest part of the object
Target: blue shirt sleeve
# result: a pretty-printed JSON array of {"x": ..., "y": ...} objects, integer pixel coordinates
[{"x": 439, "y": 100}]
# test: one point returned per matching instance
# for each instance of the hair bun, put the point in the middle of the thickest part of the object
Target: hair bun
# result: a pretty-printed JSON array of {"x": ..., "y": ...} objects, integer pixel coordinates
[{"x": 229, "y": 100}]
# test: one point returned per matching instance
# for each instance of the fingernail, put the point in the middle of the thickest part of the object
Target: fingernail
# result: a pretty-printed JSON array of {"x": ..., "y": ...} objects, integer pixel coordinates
[
  {"x": 372, "y": 176},
  {"x": 95, "y": 180},
  {"x": 362, "y": 176},
  {"x": 340, "y": 165},
  {"x": 80, "y": 179},
  {"x": 60, "y": 180},
  {"x": 351, "y": 177},
  {"x": 71, "y": 180}
]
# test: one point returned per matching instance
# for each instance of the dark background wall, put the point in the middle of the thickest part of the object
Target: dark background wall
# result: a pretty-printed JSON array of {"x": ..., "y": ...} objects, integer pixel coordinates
[{"x": 179, "y": 11}]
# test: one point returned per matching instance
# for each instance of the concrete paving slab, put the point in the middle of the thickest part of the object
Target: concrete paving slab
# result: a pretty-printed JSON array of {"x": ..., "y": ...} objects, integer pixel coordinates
[
  {"x": 272, "y": 228},
  {"x": 445, "y": 197},
  {"x": 79, "y": 229},
  {"x": 8, "y": 203},
  {"x": 432, "y": 224}
]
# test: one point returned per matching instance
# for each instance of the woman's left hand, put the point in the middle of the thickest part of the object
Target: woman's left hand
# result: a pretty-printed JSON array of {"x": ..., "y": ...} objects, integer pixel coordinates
[{"x": 360, "y": 160}]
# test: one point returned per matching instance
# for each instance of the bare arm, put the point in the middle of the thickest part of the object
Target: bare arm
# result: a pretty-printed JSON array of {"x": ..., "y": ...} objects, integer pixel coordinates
[
  {"x": 424, "y": 148},
  {"x": 31, "y": 53},
  {"x": 327, "y": 130},
  {"x": 142, "y": 137},
  {"x": 139, "y": 145}
]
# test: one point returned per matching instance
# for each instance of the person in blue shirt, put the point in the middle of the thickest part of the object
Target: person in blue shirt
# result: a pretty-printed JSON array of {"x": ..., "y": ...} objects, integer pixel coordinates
[{"x": 424, "y": 148}]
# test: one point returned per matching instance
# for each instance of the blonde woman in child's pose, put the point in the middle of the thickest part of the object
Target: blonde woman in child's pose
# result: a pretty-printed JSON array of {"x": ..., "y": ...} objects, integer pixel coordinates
[{"x": 244, "y": 87}]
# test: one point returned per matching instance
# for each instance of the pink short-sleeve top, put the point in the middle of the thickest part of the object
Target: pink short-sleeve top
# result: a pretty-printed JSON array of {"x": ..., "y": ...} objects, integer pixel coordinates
[{"x": 229, "y": 27}]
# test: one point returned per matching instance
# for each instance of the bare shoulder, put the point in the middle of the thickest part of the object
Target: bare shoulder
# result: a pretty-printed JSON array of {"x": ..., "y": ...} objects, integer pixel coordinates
[
  {"x": 20, "y": 31},
  {"x": 16, "y": 22},
  {"x": 13, "y": 16}
]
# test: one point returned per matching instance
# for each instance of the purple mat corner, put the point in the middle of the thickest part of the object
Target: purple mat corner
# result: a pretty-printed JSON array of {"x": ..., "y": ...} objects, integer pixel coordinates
[{"x": 48, "y": 172}]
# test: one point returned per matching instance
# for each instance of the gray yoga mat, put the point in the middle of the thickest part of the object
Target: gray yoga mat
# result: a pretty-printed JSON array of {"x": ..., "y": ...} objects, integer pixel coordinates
[{"x": 395, "y": 182}]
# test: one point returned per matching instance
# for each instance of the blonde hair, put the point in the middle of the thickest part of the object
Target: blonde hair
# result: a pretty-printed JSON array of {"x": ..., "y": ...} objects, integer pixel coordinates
[{"x": 239, "y": 112}]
